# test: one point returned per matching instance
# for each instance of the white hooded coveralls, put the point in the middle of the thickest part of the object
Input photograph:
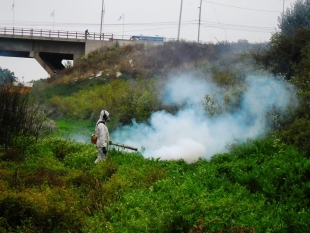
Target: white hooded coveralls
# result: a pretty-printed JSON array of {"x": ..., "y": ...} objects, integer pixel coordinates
[{"x": 103, "y": 136}]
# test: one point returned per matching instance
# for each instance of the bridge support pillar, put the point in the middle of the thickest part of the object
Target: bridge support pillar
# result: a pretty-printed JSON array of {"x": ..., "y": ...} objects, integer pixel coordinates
[{"x": 36, "y": 56}]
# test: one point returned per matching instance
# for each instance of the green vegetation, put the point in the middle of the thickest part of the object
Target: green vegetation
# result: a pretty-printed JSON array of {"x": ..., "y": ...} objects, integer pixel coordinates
[
  {"x": 43, "y": 93},
  {"x": 21, "y": 122},
  {"x": 51, "y": 184},
  {"x": 260, "y": 186},
  {"x": 287, "y": 54},
  {"x": 295, "y": 18},
  {"x": 124, "y": 99}
]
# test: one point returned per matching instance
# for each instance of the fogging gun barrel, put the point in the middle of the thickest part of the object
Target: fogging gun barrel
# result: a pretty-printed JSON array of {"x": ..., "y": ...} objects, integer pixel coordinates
[{"x": 122, "y": 145}]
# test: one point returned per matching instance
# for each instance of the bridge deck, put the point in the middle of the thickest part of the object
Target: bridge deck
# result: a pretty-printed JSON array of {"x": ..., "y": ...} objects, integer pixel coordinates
[{"x": 50, "y": 47}]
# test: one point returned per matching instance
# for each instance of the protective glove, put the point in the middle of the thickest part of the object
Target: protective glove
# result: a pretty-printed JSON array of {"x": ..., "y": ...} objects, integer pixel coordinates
[
  {"x": 110, "y": 142},
  {"x": 104, "y": 150}
]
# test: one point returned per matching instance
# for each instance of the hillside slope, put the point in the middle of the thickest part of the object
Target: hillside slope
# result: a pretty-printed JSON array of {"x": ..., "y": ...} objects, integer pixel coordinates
[{"x": 127, "y": 80}]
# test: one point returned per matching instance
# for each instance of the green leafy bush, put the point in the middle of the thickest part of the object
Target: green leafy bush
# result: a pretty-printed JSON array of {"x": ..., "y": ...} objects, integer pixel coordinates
[
  {"x": 22, "y": 123},
  {"x": 283, "y": 52},
  {"x": 125, "y": 100},
  {"x": 258, "y": 186},
  {"x": 47, "y": 210}
]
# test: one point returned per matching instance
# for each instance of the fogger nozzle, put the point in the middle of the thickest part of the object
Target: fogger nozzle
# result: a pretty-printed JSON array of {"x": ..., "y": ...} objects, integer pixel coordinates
[{"x": 122, "y": 145}]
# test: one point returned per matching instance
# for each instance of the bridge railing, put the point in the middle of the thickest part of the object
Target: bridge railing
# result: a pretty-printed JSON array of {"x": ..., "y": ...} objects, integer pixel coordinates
[{"x": 54, "y": 34}]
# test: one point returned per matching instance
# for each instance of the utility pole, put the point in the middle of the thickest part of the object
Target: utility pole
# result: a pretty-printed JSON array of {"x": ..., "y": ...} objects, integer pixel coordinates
[
  {"x": 123, "y": 25},
  {"x": 101, "y": 19},
  {"x": 180, "y": 21},
  {"x": 308, "y": 3},
  {"x": 283, "y": 12},
  {"x": 199, "y": 20},
  {"x": 13, "y": 9},
  {"x": 53, "y": 15}
]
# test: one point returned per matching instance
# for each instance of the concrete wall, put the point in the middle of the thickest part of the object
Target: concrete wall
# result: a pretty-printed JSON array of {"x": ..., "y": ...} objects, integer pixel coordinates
[{"x": 93, "y": 45}]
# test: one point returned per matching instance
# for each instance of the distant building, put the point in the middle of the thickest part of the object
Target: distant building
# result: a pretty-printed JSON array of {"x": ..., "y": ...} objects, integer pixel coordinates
[{"x": 23, "y": 88}]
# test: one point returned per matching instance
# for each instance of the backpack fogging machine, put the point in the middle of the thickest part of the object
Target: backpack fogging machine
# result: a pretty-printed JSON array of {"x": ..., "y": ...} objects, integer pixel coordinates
[{"x": 94, "y": 141}]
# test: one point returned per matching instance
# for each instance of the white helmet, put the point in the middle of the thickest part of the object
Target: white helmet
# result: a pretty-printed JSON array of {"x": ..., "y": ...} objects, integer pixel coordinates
[{"x": 104, "y": 116}]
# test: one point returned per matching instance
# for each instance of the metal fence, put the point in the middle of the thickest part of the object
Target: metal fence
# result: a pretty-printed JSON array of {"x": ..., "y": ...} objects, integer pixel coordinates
[
  {"x": 75, "y": 35},
  {"x": 54, "y": 34}
]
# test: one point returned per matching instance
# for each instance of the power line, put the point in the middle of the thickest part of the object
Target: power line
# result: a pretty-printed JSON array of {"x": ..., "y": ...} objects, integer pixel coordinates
[
  {"x": 238, "y": 25},
  {"x": 239, "y": 28},
  {"x": 153, "y": 25},
  {"x": 29, "y": 23},
  {"x": 235, "y": 29},
  {"x": 193, "y": 22},
  {"x": 243, "y": 8}
]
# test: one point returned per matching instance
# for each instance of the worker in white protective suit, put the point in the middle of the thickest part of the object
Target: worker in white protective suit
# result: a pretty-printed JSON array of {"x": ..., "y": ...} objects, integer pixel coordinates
[{"x": 103, "y": 137}]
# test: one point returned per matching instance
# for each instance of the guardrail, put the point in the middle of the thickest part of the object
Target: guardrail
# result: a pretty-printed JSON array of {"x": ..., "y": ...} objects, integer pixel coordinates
[
  {"x": 54, "y": 34},
  {"x": 70, "y": 35}
]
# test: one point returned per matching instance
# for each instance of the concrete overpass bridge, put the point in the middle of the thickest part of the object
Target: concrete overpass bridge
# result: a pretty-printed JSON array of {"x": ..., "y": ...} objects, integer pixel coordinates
[{"x": 50, "y": 47}]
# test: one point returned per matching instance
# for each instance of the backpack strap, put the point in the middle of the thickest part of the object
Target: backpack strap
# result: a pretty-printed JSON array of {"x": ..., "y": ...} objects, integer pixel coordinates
[{"x": 100, "y": 122}]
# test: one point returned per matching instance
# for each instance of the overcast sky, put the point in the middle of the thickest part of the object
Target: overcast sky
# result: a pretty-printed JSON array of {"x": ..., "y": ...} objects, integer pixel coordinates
[{"x": 221, "y": 20}]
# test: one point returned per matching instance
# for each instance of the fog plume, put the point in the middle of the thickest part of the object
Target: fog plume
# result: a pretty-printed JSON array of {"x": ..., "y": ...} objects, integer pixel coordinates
[{"x": 191, "y": 133}]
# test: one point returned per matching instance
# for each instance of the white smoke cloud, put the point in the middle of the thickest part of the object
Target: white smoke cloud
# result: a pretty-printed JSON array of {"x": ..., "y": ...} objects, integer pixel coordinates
[
  {"x": 191, "y": 134},
  {"x": 187, "y": 90}
]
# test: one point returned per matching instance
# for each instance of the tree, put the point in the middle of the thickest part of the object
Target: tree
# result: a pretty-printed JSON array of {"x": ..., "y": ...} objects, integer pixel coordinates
[
  {"x": 6, "y": 76},
  {"x": 295, "y": 18},
  {"x": 283, "y": 52}
]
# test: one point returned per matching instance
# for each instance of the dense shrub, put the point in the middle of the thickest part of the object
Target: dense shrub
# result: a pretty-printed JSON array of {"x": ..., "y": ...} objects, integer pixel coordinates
[
  {"x": 45, "y": 210},
  {"x": 283, "y": 52},
  {"x": 258, "y": 186},
  {"x": 21, "y": 122},
  {"x": 296, "y": 129},
  {"x": 125, "y": 100}
]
